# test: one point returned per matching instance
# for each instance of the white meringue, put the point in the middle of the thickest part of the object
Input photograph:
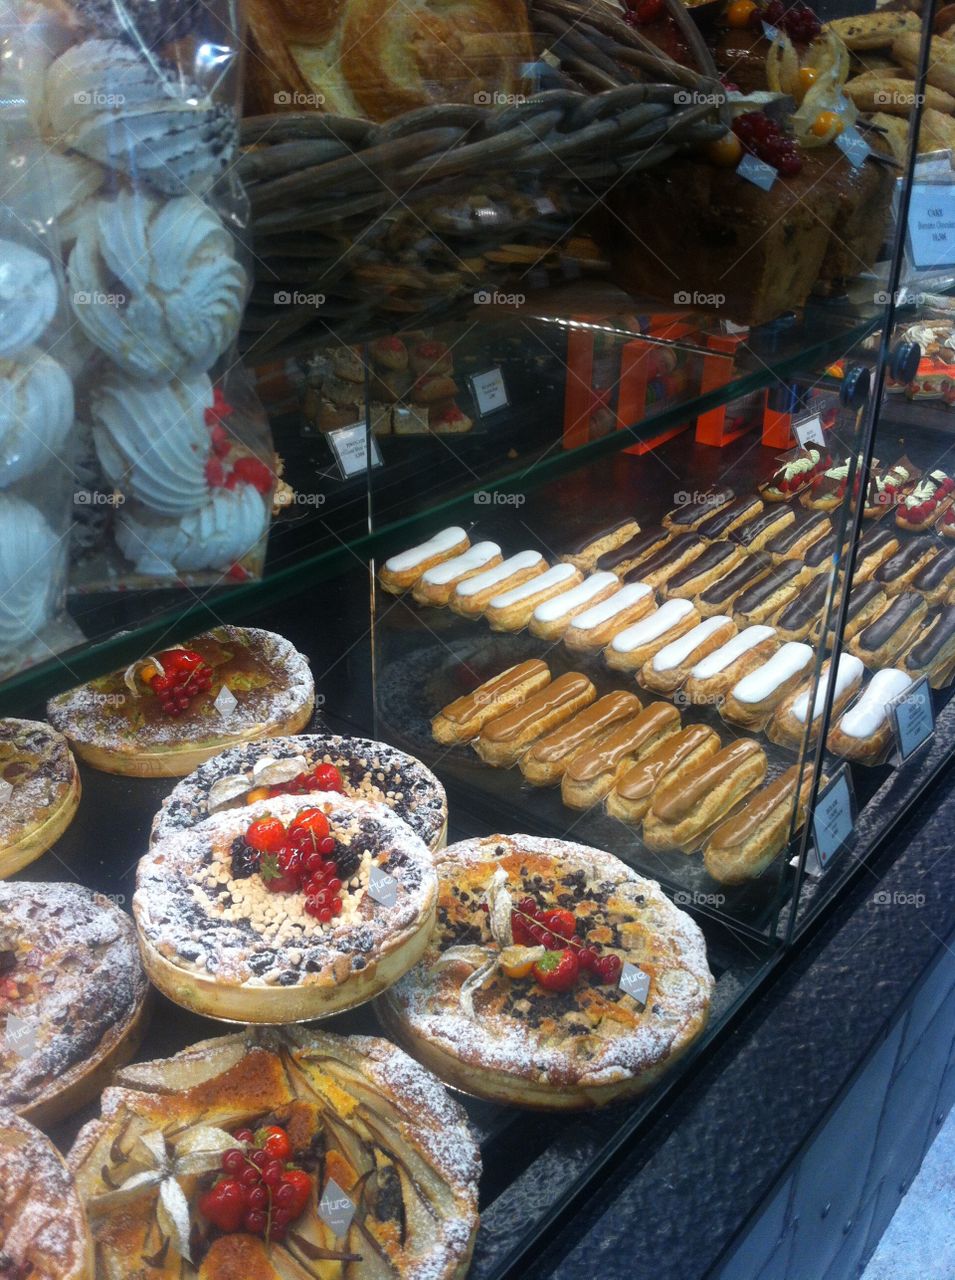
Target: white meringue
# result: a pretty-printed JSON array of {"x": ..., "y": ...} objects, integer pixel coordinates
[
  {"x": 153, "y": 442},
  {"x": 105, "y": 100},
  {"x": 155, "y": 284},
  {"x": 31, "y": 566},
  {"x": 48, "y": 186},
  {"x": 28, "y": 296},
  {"x": 224, "y": 531},
  {"x": 36, "y": 412}
]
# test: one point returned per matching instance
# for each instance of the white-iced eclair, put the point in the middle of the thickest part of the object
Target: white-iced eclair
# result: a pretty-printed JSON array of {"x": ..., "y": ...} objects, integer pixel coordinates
[
  {"x": 752, "y": 700},
  {"x": 683, "y": 812},
  {"x": 470, "y": 598},
  {"x": 670, "y": 666},
  {"x": 598, "y": 625},
  {"x": 712, "y": 677},
  {"x": 511, "y": 610},
  {"x": 743, "y": 846},
  {"x": 630, "y": 648},
  {"x": 436, "y": 584},
  {"x": 402, "y": 571},
  {"x": 798, "y": 718},
  {"x": 864, "y": 732},
  {"x": 551, "y": 619},
  {"x": 463, "y": 719}
]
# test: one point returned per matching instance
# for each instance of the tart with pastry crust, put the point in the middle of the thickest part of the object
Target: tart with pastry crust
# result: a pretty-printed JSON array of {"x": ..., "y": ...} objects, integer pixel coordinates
[
  {"x": 43, "y": 1228},
  {"x": 73, "y": 996},
  {"x": 170, "y": 711},
  {"x": 383, "y": 1165},
  {"x": 285, "y": 910},
  {"x": 36, "y": 763},
  {"x": 496, "y": 1008},
  {"x": 299, "y": 765}
]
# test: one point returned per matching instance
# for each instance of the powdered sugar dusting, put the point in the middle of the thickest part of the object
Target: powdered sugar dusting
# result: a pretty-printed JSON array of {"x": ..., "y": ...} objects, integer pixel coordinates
[{"x": 36, "y": 762}]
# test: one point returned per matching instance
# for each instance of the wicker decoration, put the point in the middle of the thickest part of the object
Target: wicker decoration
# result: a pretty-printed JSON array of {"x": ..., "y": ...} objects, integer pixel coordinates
[{"x": 361, "y": 229}]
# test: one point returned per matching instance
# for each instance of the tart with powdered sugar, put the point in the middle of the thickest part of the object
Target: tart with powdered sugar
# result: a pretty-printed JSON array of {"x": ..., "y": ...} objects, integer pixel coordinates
[
  {"x": 556, "y": 978},
  {"x": 170, "y": 711},
  {"x": 44, "y": 791},
  {"x": 383, "y": 1166},
  {"x": 43, "y": 1228},
  {"x": 357, "y": 767},
  {"x": 285, "y": 910},
  {"x": 72, "y": 996}
]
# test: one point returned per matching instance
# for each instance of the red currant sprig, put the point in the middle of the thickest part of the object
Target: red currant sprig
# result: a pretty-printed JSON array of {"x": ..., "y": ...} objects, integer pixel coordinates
[
  {"x": 555, "y": 929},
  {"x": 300, "y": 858},
  {"x": 180, "y": 676},
  {"x": 261, "y": 1193}
]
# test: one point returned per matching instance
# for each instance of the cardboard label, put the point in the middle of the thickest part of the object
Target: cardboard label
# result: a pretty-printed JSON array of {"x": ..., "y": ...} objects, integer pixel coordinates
[
  {"x": 20, "y": 1036},
  {"x": 932, "y": 225},
  {"x": 382, "y": 887},
  {"x": 6, "y": 791},
  {"x": 490, "y": 393},
  {"x": 755, "y": 171},
  {"x": 226, "y": 702},
  {"x": 853, "y": 146},
  {"x": 635, "y": 982},
  {"x": 912, "y": 717},
  {"x": 352, "y": 447},
  {"x": 336, "y": 1208},
  {"x": 810, "y": 431},
  {"x": 833, "y": 818}
]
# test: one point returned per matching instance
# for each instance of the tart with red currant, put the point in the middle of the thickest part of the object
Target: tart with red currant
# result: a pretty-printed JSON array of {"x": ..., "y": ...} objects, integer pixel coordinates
[
  {"x": 285, "y": 910},
  {"x": 39, "y": 791},
  {"x": 165, "y": 714},
  {"x": 827, "y": 489},
  {"x": 556, "y": 978},
  {"x": 305, "y": 764},
  {"x": 888, "y": 487},
  {"x": 927, "y": 502},
  {"x": 73, "y": 997},
  {"x": 798, "y": 470},
  {"x": 44, "y": 1234},
  {"x": 280, "y": 1155}
]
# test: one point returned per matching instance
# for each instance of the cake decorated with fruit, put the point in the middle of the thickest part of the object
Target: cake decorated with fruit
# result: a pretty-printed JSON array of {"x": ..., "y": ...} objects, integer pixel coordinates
[
  {"x": 277, "y": 1154},
  {"x": 556, "y": 978},
  {"x": 927, "y": 501},
  {"x": 37, "y": 766},
  {"x": 166, "y": 713},
  {"x": 284, "y": 910},
  {"x": 302, "y": 764},
  {"x": 799, "y": 470}
]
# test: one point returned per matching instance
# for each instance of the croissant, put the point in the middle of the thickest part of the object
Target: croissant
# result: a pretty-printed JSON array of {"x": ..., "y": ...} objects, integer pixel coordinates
[{"x": 356, "y": 58}]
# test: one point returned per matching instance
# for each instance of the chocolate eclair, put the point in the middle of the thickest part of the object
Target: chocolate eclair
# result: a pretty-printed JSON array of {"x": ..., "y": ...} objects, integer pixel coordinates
[
  {"x": 874, "y": 547},
  {"x": 934, "y": 654},
  {"x": 720, "y": 596},
  {"x": 766, "y": 597},
  {"x": 898, "y": 572},
  {"x": 808, "y": 527},
  {"x": 668, "y": 561},
  {"x": 937, "y": 578},
  {"x": 801, "y": 616},
  {"x": 755, "y": 534},
  {"x": 586, "y": 551},
  {"x": 821, "y": 556},
  {"x": 712, "y": 563},
  {"x": 882, "y": 641},
  {"x": 866, "y": 602},
  {"x": 623, "y": 558},
  {"x": 735, "y": 514},
  {"x": 692, "y": 513}
]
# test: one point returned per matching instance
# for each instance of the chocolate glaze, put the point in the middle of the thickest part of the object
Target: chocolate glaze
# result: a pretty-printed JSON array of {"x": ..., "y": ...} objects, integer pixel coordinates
[
  {"x": 754, "y": 528},
  {"x": 580, "y": 546},
  {"x": 861, "y": 596},
  {"x": 886, "y": 624},
  {"x": 936, "y": 571},
  {"x": 806, "y": 607},
  {"x": 513, "y": 723},
  {"x": 691, "y": 513},
  {"x": 641, "y": 544},
  {"x": 784, "y": 542},
  {"x": 736, "y": 580},
  {"x": 903, "y": 560},
  {"x": 874, "y": 540},
  {"x": 673, "y": 550},
  {"x": 715, "y": 526},
  {"x": 822, "y": 550},
  {"x": 760, "y": 592},
  {"x": 463, "y": 708},
  {"x": 941, "y": 634},
  {"x": 713, "y": 556}
]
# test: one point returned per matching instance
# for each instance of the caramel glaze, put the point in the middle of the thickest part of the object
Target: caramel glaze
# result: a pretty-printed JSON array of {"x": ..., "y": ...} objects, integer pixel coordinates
[
  {"x": 513, "y": 723},
  {"x": 583, "y": 543},
  {"x": 736, "y": 580},
  {"x": 639, "y": 781},
  {"x": 768, "y": 520},
  {"x": 635, "y": 548},
  {"x": 744, "y": 825},
  {"x": 936, "y": 572},
  {"x": 713, "y": 556},
  {"x": 691, "y": 513},
  {"x": 760, "y": 592},
  {"x": 784, "y": 542},
  {"x": 806, "y": 607},
  {"x": 904, "y": 560},
  {"x": 673, "y": 550},
  {"x": 716, "y": 525},
  {"x": 877, "y": 633},
  {"x": 606, "y": 752},
  {"x": 463, "y": 709},
  {"x": 587, "y": 724},
  {"x": 677, "y": 802},
  {"x": 930, "y": 648}
]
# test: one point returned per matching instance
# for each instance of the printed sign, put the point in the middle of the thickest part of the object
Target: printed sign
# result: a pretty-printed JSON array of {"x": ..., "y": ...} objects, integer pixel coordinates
[
  {"x": 226, "y": 702},
  {"x": 912, "y": 718},
  {"x": 755, "y": 171},
  {"x": 336, "y": 1208},
  {"x": 809, "y": 431},
  {"x": 635, "y": 982},
  {"x": 352, "y": 447},
  {"x": 490, "y": 393},
  {"x": 833, "y": 818},
  {"x": 382, "y": 887},
  {"x": 853, "y": 146},
  {"x": 932, "y": 226}
]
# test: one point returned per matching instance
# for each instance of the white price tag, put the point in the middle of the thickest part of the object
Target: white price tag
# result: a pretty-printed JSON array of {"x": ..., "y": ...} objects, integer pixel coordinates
[
  {"x": 932, "y": 225},
  {"x": 755, "y": 171},
  {"x": 226, "y": 702},
  {"x": 912, "y": 718},
  {"x": 352, "y": 447},
  {"x": 490, "y": 393},
  {"x": 853, "y": 146},
  {"x": 770, "y": 32},
  {"x": 833, "y": 818},
  {"x": 809, "y": 431}
]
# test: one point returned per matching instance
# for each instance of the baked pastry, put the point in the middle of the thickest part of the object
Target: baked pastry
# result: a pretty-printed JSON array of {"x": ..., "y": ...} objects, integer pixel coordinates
[
  {"x": 682, "y": 812},
  {"x": 72, "y": 997},
  {"x": 300, "y": 765},
  {"x": 222, "y": 535},
  {"x": 675, "y": 756},
  {"x": 349, "y": 1118},
  {"x": 550, "y": 755},
  {"x": 742, "y": 847},
  {"x": 797, "y": 719},
  {"x": 630, "y": 648},
  {"x": 887, "y": 487},
  {"x": 587, "y": 550},
  {"x": 391, "y": 353},
  {"x": 866, "y": 602},
  {"x": 592, "y": 772},
  {"x": 823, "y": 555},
  {"x": 503, "y": 740},
  {"x": 463, "y": 719},
  {"x": 436, "y": 584},
  {"x": 692, "y": 513},
  {"x": 828, "y": 488},
  {"x": 580, "y": 1041},
  {"x": 511, "y": 610},
  {"x": 800, "y": 619},
  {"x": 30, "y": 298},
  {"x": 712, "y": 564},
  {"x": 551, "y": 618},
  {"x": 36, "y": 413},
  {"x": 43, "y": 1228},
  {"x": 719, "y": 597},
  {"x": 932, "y": 496},
  {"x": 753, "y": 699},
  {"x": 428, "y": 357},
  {"x": 733, "y": 516},
  {"x": 715, "y": 675},
  {"x": 669, "y": 667},
  {"x": 797, "y": 470},
  {"x": 288, "y": 909},
  {"x": 675, "y": 555},
  {"x": 937, "y": 578},
  {"x": 756, "y": 533},
  {"x": 36, "y": 763},
  {"x": 799, "y": 536},
  {"x": 898, "y": 572},
  {"x": 886, "y": 639},
  {"x": 447, "y": 418},
  {"x": 637, "y": 548},
  {"x": 875, "y": 547},
  {"x": 933, "y": 654},
  {"x": 945, "y": 525},
  {"x": 766, "y": 597},
  {"x": 167, "y": 713},
  {"x": 402, "y": 571},
  {"x": 596, "y": 626},
  {"x": 471, "y": 597},
  {"x": 864, "y": 732}
]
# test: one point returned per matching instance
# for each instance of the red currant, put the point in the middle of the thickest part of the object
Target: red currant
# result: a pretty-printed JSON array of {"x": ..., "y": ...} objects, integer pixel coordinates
[
  {"x": 233, "y": 1161},
  {"x": 326, "y": 845},
  {"x": 258, "y": 1197},
  {"x": 244, "y": 1135},
  {"x": 254, "y": 1221},
  {"x": 249, "y": 1177}
]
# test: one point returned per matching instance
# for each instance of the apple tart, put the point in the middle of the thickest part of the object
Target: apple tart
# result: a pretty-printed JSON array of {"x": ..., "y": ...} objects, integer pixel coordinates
[
  {"x": 305, "y": 763},
  {"x": 72, "y": 996},
  {"x": 556, "y": 978},
  {"x": 165, "y": 714},
  {"x": 285, "y": 910},
  {"x": 44, "y": 791},
  {"x": 281, "y": 1154}
]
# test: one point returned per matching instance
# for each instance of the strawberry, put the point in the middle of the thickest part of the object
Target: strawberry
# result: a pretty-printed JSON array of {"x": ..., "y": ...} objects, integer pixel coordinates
[
  {"x": 275, "y": 1141},
  {"x": 277, "y": 880},
  {"x": 557, "y": 970},
  {"x": 224, "y": 1205},
  {"x": 559, "y": 921},
  {"x": 266, "y": 835},
  {"x": 301, "y": 1185}
]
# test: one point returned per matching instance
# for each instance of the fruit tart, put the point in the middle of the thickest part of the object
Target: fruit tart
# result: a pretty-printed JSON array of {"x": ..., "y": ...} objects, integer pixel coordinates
[
  {"x": 557, "y": 977},
  {"x": 300, "y": 765},
  {"x": 72, "y": 996},
  {"x": 887, "y": 488},
  {"x": 167, "y": 713},
  {"x": 827, "y": 489},
  {"x": 44, "y": 1233},
  {"x": 927, "y": 502},
  {"x": 40, "y": 789},
  {"x": 798, "y": 469},
  {"x": 280, "y": 1155},
  {"x": 284, "y": 910}
]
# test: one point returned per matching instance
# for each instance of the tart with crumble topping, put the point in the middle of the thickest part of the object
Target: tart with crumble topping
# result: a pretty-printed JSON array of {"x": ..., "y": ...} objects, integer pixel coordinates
[
  {"x": 285, "y": 910},
  {"x": 277, "y": 1154},
  {"x": 303, "y": 764},
  {"x": 72, "y": 996},
  {"x": 556, "y": 978},
  {"x": 43, "y": 1229},
  {"x": 44, "y": 791},
  {"x": 165, "y": 714}
]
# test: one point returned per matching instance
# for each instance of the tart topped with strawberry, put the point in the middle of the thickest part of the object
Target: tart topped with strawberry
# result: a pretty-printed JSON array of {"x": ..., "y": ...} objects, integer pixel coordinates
[
  {"x": 284, "y": 910},
  {"x": 282, "y": 1155},
  {"x": 39, "y": 791},
  {"x": 887, "y": 488},
  {"x": 799, "y": 468},
  {"x": 556, "y": 978},
  {"x": 827, "y": 489},
  {"x": 168, "y": 712},
  {"x": 932, "y": 496},
  {"x": 303, "y": 764}
]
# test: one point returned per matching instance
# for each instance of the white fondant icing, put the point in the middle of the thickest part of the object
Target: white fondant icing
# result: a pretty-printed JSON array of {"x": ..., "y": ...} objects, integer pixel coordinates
[
  {"x": 869, "y": 713},
  {"x": 473, "y": 558},
  {"x": 442, "y": 541},
  {"x": 849, "y": 670},
  {"x": 499, "y": 573},
  {"x": 783, "y": 665},
  {"x": 734, "y": 648},
  {"x": 560, "y": 606},
  {"x": 651, "y": 628},
  {"x": 677, "y": 651},
  {"x": 543, "y": 582},
  {"x": 609, "y": 608}
]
